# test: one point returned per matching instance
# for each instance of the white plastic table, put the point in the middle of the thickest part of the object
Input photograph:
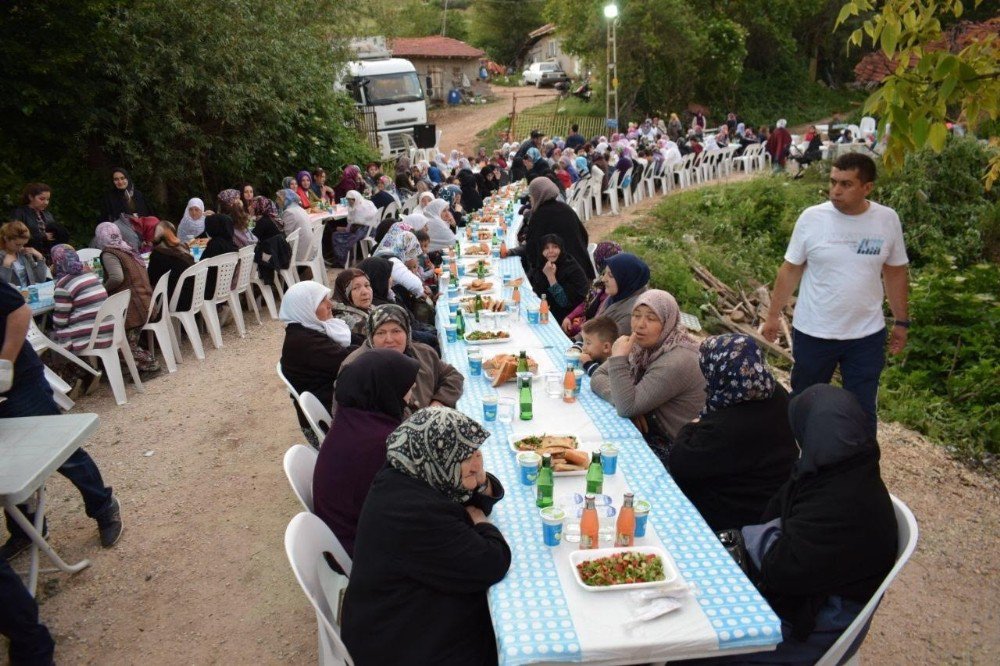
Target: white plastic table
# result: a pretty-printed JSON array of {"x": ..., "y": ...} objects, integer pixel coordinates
[{"x": 31, "y": 449}]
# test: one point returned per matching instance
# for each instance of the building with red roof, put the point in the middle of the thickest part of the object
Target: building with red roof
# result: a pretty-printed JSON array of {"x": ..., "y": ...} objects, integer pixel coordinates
[{"x": 441, "y": 62}]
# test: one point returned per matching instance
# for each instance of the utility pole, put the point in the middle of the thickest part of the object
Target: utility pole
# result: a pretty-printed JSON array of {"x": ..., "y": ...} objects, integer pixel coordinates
[{"x": 444, "y": 20}]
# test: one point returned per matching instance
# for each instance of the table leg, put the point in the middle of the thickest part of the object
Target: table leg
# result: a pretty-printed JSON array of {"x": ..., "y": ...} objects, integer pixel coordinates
[{"x": 38, "y": 543}]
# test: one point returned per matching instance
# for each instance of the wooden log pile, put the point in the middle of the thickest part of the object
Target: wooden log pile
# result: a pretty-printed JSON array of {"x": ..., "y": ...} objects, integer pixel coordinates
[{"x": 742, "y": 310}]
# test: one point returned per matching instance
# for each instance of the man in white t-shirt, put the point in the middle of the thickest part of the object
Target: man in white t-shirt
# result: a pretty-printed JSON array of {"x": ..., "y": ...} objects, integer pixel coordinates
[{"x": 843, "y": 251}]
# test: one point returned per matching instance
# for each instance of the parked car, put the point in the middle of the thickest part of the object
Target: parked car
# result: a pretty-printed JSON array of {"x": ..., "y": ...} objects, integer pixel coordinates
[{"x": 544, "y": 74}]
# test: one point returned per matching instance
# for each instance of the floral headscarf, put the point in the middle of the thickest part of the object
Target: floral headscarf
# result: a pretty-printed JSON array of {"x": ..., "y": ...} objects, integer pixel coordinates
[
  {"x": 263, "y": 207},
  {"x": 383, "y": 314},
  {"x": 431, "y": 445},
  {"x": 288, "y": 198},
  {"x": 108, "y": 235},
  {"x": 399, "y": 242},
  {"x": 449, "y": 192},
  {"x": 735, "y": 371},
  {"x": 229, "y": 196},
  {"x": 604, "y": 251},
  {"x": 65, "y": 261},
  {"x": 674, "y": 333}
]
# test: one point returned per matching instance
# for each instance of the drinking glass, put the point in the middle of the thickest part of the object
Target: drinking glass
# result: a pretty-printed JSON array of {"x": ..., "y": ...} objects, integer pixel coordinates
[{"x": 505, "y": 410}]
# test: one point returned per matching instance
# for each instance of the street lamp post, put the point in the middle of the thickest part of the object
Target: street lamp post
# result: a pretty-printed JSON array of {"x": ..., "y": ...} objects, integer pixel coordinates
[{"x": 611, "y": 14}]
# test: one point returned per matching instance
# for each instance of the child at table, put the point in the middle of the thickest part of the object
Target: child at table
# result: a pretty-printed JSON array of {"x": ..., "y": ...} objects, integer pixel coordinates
[{"x": 598, "y": 336}]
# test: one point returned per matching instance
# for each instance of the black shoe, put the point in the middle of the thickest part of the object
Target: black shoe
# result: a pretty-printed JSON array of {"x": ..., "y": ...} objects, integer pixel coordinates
[
  {"x": 91, "y": 382},
  {"x": 110, "y": 524},
  {"x": 14, "y": 546}
]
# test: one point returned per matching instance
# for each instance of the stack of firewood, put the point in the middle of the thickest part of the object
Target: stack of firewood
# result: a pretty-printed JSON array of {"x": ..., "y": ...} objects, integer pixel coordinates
[{"x": 742, "y": 310}]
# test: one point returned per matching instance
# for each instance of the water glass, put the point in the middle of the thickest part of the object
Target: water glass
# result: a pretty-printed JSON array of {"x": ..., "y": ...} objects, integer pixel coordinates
[
  {"x": 505, "y": 410},
  {"x": 572, "y": 357},
  {"x": 533, "y": 315},
  {"x": 461, "y": 270},
  {"x": 553, "y": 384},
  {"x": 642, "y": 508},
  {"x": 528, "y": 463},
  {"x": 552, "y": 525}
]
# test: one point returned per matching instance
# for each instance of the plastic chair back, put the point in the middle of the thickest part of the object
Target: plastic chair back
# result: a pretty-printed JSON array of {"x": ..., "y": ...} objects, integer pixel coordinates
[
  {"x": 591, "y": 248},
  {"x": 246, "y": 266},
  {"x": 389, "y": 211},
  {"x": 88, "y": 254},
  {"x": 306, "y": 539},
  {"x": 848, "y": 643},
  {"x": 225, "y": 265},
  {"x": 288, "y": 384},
  {"x": 158, "y": 301},
  {"x": 318, "y": 416},
  {"x": 113, "y": 308},
  {"x": 300, "y": 463},
  {"x": 197, "y": 273}
]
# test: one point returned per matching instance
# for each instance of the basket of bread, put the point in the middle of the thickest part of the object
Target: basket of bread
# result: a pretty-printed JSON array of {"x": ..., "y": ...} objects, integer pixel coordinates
[{"x": 502, "y": 368}]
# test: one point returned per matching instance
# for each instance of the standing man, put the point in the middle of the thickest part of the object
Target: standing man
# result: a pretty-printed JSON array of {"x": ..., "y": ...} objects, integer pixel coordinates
[
  {"x": 843, "y": 251},
  {"x": 575, "y": 140},
  {"x": 518, "y": 169}
]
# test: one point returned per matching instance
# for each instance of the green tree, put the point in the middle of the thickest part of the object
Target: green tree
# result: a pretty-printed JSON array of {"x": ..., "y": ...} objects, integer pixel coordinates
[
  {"x": 929, "y": 86},
  {"x": 501, "y": 27}
]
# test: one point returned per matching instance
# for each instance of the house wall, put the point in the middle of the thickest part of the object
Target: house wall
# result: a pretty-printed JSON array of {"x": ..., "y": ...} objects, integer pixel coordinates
[
  {"x": 549, "y": 48},
  {"x": 445, "y": 73}
]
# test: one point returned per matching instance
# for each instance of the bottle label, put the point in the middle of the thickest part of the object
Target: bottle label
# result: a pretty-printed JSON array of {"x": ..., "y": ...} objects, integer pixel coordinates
[
  {"x": 586, "y": 542},
  {"x": 622, "y": 539}
]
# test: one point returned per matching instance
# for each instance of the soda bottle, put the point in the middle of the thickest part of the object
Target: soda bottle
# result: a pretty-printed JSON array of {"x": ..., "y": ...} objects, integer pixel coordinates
[
  {"x": 569, "y": 385},
  {"x": 452, "y": 265},
  {"x": 480, "y": 269},
  {"x": 625, "y": 527},
  {"x": 524, "y": 397},
  {"x": 458, "y": 249},
  {"x": 543, "y": 311},
  {"x": 522, "y": 362},
  {"x": 545, "y": 482},
  {"x": 595, "y": 474},
  {"x": 460, "y": 325},
  {"x": 588, "y": 524},
  {"x": 503, "y": 249}
]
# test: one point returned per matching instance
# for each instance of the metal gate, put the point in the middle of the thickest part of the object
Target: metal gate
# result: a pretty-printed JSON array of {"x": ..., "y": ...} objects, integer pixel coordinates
[{"x": 367, "y": 126}]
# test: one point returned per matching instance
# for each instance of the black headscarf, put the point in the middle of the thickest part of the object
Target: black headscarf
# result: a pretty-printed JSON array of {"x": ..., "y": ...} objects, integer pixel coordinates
[
  {"x": 220, "y": 233},
  {"x": 830, "y": 427},
  {"x": 378, "y": 270},
  {"x": 471, "y": 199},
  {"x": 569, "y": 275},
  {"x": 123, "y": 202},
  {"x": 377, "y": 382}
]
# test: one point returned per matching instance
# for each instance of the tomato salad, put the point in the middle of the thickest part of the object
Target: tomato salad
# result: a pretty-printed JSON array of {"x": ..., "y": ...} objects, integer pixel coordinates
[{"x": 621, "y": 569}]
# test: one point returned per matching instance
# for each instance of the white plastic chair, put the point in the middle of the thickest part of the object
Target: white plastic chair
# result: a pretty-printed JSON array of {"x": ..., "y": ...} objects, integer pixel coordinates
[
  {"x": 196, "y": 276},
  {"x": 244, "y": 273},
  {"x": 162, "y": 329},
  {"x": 314, "y": 258},
  {"x": 60, "y": 389},
  {"x": 114, "y": 308},
  {"x": 389, "y": 211},
  {"x": 318, "y": 416},
  {"x": 289, "y": 275},
  {"x": 306, "y": 539},
  {"x": 625, "y": 185},
  {"x": 225, "y": 267},
  {"x": 40, "y": 342},
  {"x": 410, "y": 203},
  {"x": 908, "y": 533},
  {"x": 300, "y": 464},
  {"x": 288, "y": 384},
  {"x": 685, "y": 170},
  {"x": 595, "y": 193},
  {"x": 613, "y": 191},
  {"x": 648, "y": 182}
]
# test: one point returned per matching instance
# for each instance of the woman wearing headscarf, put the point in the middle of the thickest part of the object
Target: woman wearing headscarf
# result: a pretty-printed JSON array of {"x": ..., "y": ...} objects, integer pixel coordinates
[
  {"x": 219, "y": 228},
  {"x": 402, "y": 249},
  {"x": 626, "y": 278},
  {"x": 125, "y": 269},
  {"x": 572, "y": 322},
  {"x": 379, "y": 272},
  {"x": 295, "y": 218},
  {"x": 441, "y": 234},
  {"x": 551, "y": 216},
  {"x": 320, "y": 189},
  {"x": 777, "y": 145},
  {"x": 471, "y": 199},
  {"x": 231, "y": 204},
  {"x": 732, "y": 459},
  {"x": 371, "y": 400},
  {"x": 123, "y": 198},
  {"x": 79, "y": 295},
  {"x": 652, "y": 375},
  {"x": 424, "y": 549},
  {"x": 384, "y": 190},
  {"x": 361, "y": 211},
  {"x": 558, "y": 277},
  {"x": 453, "y": 195},
  {"x": 20, "y": 265},
  {"x": 170, "y": 257},
  {"x": 829, "y": 535},
  {"x": 350, "y": 180},
  {"x": 303, "y": 181},
  {"x": 35, "y": 214},
  {"x": 272, "y": 252},
  {"x": 192, "y": 224},
  {"x": 352, "y": 300},
  {"x": 315, "y": 346},
  {"x": 438, "y": 383}
]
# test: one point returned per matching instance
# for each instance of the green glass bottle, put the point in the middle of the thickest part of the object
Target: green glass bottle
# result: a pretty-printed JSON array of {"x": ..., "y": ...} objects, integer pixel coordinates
[
  {"x": 458, "y": 249},
  {"x": 595, "y": 474},
  {"x": 522, "y": 362},
  {"x": 545, "y": 482},
  {"x": 460, "y": 325},
  {"x": 524, "y": 397},
  {"x": 480, "y": 269}
]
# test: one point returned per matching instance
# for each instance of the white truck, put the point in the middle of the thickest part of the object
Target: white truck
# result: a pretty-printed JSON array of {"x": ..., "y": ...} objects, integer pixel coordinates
[{"x": 390, "y": 89}]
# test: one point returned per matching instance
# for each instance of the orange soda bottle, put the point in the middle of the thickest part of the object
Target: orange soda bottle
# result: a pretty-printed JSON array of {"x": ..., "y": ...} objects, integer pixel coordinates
[
  {"x": 588, "y": 525},
  {"x": 625, "y": 527},
  {"x": 569, "y": 385},
  {"x": 543, "y": 311}
]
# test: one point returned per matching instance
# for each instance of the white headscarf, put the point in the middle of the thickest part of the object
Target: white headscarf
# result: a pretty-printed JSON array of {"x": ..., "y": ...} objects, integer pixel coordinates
[
  {"x": 781, "y": 123},
  {"x": 434, "y": 209},
  {"x": 416, "y": 221},
  {"x": 363, "y": 211},
  {"x": 299, "y": 307},
  {"x": 424, "y": 197},
  {"x": 190, "y": 228}
]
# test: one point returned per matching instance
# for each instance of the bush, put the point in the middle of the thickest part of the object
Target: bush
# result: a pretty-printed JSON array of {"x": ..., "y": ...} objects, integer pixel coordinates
[{"x": 763, "y": 97}]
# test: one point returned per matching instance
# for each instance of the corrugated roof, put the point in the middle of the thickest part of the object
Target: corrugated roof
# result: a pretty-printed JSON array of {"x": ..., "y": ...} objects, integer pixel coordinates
[
  {"x": 435, "y": 46},
  {"x": 541, "y": 32}
]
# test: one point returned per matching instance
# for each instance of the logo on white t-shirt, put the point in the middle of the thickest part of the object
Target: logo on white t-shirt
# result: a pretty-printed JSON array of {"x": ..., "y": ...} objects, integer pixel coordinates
[{"x": 870, "y": 246}]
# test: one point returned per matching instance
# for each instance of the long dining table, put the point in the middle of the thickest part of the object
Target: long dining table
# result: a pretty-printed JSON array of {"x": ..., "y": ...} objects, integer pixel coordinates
[{"x": 540, "y": 613}]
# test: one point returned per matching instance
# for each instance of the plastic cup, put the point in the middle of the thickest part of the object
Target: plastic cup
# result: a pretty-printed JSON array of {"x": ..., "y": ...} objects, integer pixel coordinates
[
  {"x": 553, "y": 384},
  {"x": 642, "y": 508},
  {"x": 572, "y": 357},
  {"x": 475, "y": 363},
  {"x": 490, "y": 407},
  {"x": 528, "y": 463},
  {"x": 451, "y": 332},
  {"x": 505, "y": 410},
  {"x": 461, "y": 270},
  {"x": 533, "y": 315},
  {"x": 552, "y": 525},
  {"x": 609, "y": 459},
  {"x": 453, "y": 306},
  {"x": 578, "y": 375}
]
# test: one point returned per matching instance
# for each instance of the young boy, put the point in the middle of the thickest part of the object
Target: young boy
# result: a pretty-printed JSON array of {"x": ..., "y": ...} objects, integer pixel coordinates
[{"x": 598, "y": 336}]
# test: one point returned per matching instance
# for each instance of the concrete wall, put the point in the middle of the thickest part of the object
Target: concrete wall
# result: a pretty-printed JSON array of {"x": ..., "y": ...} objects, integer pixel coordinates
[
  {"x": 548, "y": 48},
  {"x": 445, "y": 73}
]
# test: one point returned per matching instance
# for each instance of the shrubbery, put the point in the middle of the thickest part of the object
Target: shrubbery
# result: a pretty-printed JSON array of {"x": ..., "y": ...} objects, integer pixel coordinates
[{"x": 946, "y": 385}]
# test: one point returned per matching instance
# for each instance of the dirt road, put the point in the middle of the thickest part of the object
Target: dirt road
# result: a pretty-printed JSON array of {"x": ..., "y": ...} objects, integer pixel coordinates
[{"x": 461, "y": 124}]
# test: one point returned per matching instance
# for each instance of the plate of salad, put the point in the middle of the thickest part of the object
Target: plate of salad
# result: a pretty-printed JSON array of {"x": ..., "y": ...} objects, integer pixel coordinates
[{"x": 610, "y": 569}]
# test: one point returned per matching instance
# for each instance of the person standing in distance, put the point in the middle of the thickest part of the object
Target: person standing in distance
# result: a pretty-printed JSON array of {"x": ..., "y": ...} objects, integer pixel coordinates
[{"x": 843, "y": 252}]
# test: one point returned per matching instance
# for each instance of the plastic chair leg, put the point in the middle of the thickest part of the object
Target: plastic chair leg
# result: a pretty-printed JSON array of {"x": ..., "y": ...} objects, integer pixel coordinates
[
  {"x": 113, "y": 370},
  {"x": 237, "y": 309},
  {"x": 187, "y": 319},
  {"x": 268, "y": 295},
  {"x": 252, "y": 303},
  {"x": 210, "y": 315},
  {"x": 133, "y": 370},
  {"x": 161, "y": 331}
]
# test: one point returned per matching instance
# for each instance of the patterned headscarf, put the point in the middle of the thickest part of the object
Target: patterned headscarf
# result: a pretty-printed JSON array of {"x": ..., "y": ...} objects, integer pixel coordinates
[
  {"x": 449, "y": 192},
  {"x": 431, "y": 445},
  {"x": 288, "y": 183},
  {"x": 735, "y": 371},
  {"x": 108, "y": 235},
  {"x": 263, "y": 207},
  {"x": 65, "y": 261},
  {"x": 604, "y": 251},
  {"x": 351, "y": 180},
  {"x": 399, "y": 242},
  {"x": 288, "y": 198},
  {"x": 386, "y": 313},
  {"x": 674, "y": 333},
  {"x": 229, "y": 196}
]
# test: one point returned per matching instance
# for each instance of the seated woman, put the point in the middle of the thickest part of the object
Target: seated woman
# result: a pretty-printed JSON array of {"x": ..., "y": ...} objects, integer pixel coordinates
[
  {"x": 231, "y": 204},
  {"x": 352, "y": 300},
  {"x": 170, "y": 257},
  {"x": 219, "y": 228},
  {"x": 307, "y": 198},
  {"x": 551, "y": 216},
  {"x": 125, "y": 269},
  {"x": 733, "y": 458},
  {"x": 20, "y": 265},
  {"x": 316, "y": 343},
  {"x": 438, "y": 384},
  {"x": 379, "y": 273},
  {"x": 626, "y": 278},
  {"x": 193, "y": 222},
  {"x": 361, "y": 211},
  {"x": 319, "y": 187},
  {"x": 123, "y": 198},
  {"x": 383, "y": 195},
  {"x": 424, "y": 549},
  {"x": 402, "y": 249},
  {"x": 829, "y": 536},
  {"x": 572, "y": 322},
  {"x": 272, "y": 252},
  {"x": 295, "y": 218},
  {"x": 34, "y": 212},
  {"x": 652, "y": 376},
  {"x": 454, "y": 213},
  {"x": 442, "y": 234},
  {"x": 350, "y": 180},
  {"x": 557, "y": 276},
  {"x": 371, "y": 398},
  {"x": 79, "y": 295},
  {"x": 471, "y": 198}
]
